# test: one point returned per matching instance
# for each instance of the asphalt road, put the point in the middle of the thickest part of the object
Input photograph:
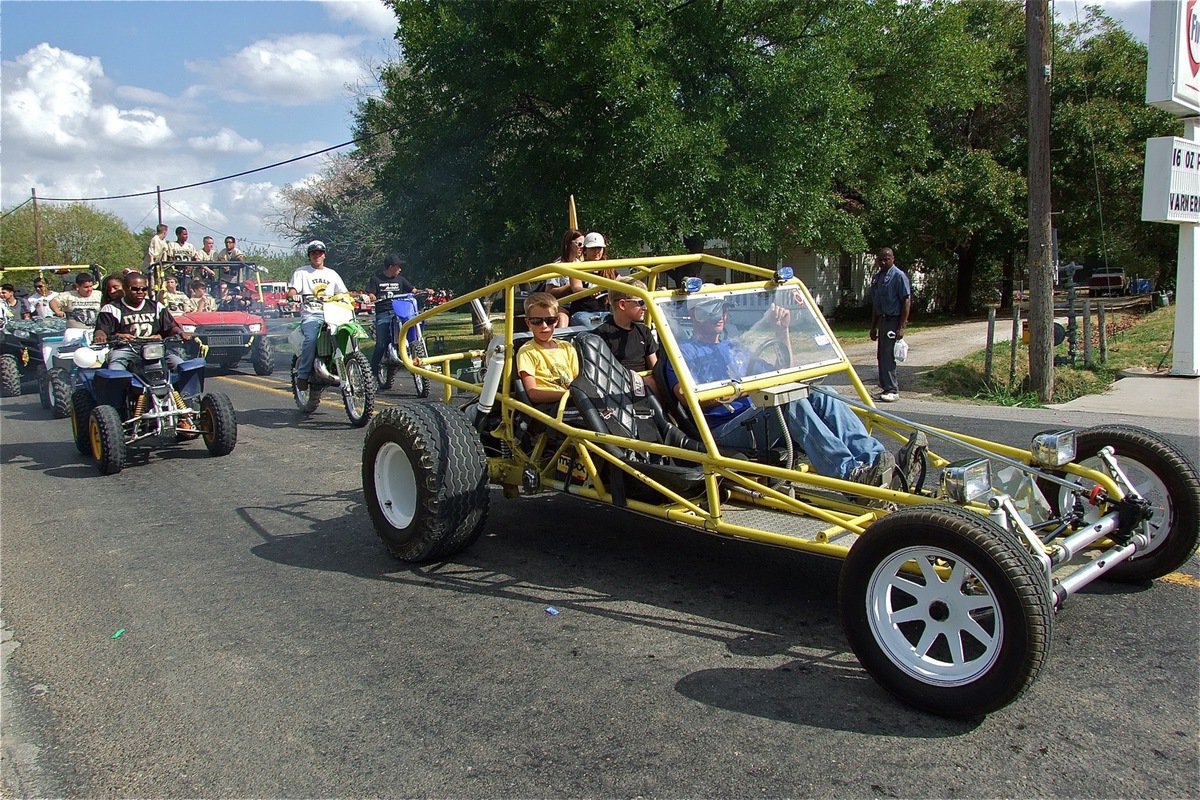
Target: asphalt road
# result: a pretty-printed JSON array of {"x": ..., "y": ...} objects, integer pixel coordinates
[{"x": 272, "y": 648}]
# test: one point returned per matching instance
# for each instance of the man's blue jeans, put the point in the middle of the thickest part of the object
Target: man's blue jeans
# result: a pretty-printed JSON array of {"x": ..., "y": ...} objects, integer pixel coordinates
[
  {"x": 833, "y": 437},
  {"x": 308, "y": 351},
  {"x": 383, "y": 340}
]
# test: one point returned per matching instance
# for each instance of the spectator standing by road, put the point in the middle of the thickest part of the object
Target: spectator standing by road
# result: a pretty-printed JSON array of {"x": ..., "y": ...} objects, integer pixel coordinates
[
  {"x": 312, "y": 283},
  {"x": 891, "y": 301},
  {"x": 381, "y": 289},
  {"x": 159, "y": 249},
  {"x": 37, "y": 305}
]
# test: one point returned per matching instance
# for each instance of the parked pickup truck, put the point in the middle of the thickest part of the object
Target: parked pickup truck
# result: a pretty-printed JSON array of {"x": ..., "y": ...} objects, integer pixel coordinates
[{"x": 1107, "y": 281}]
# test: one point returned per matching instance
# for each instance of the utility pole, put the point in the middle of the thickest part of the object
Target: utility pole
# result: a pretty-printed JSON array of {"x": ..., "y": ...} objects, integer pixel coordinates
[
  {"x": 158, "y": 195},
  {"x": 1041, "y": 281},
  {"x": 37, "y": 230}
]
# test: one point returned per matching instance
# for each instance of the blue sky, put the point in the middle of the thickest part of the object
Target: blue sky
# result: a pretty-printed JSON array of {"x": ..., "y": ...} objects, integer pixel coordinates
[{"x": 116, "y": 97}]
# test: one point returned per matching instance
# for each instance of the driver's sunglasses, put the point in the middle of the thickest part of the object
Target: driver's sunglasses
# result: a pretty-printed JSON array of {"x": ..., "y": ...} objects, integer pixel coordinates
[
  {"x": 139, "y": 288},
  {"x": 551, "y": 321},
  {"x": 637, "y": 301}
]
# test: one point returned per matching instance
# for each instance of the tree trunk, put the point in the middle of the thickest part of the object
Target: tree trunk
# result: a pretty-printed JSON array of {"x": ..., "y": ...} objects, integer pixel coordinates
[{"x": 968, "y": 260}]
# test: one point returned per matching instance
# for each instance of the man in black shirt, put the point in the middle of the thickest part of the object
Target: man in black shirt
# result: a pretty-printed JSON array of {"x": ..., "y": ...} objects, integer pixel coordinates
[
  {"x": 135, "y": 316},
  {"x": 382, "y": 288},
  {"x": 627, "y": 335}
]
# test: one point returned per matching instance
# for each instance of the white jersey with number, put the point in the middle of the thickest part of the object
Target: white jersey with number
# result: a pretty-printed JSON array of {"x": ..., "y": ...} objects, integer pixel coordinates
[{"x": 314, "y": 284}]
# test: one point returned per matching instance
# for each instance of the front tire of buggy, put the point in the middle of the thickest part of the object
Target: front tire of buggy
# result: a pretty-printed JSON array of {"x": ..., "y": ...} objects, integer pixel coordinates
[
  {"x": 107, "y": 437},
  {"x": 946, "y": 611},
  {"x": 425, "y": 480},
  {"x": 1162, "y": 474},
  {"x": 218, "y": 423},
  {"x": 262, "y": 356},
  {"x": 10, "y": 376}
]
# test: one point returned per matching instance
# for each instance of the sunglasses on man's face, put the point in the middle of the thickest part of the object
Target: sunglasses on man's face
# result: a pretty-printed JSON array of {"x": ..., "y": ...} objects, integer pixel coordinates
[
  {"x": 551, "y": 321},
  {"x": 637, "y": 301},
  {"x": 139, "y": 288}
]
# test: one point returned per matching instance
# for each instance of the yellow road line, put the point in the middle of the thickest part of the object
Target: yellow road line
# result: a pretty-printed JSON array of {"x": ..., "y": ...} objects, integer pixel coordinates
[
  {"x": 264, "y": 386},
  {"x": 1181, "y": 579}
]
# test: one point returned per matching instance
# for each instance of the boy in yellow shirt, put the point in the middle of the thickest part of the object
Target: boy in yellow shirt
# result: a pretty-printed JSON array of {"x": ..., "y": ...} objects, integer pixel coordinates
[{"x": 546, "y": 366}]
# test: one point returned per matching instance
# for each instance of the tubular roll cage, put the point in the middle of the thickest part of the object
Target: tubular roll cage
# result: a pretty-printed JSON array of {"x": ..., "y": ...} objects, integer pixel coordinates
[{"x": 813, "y": 495}]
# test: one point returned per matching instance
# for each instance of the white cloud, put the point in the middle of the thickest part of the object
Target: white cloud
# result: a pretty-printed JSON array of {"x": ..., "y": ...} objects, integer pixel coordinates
[
  {"x": 50, "y": 106},
  {"x": 225, "y": 141},
  {"x": 372, "y": 16},
  {"x": 305, "y": 69}
]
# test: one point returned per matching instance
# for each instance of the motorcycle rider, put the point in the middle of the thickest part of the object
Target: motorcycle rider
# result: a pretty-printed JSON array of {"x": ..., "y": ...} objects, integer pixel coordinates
[
  {"x": 312, "y": 283},
  {"x": 381, "y": 289},
  {"x": 136, "y": 316}
]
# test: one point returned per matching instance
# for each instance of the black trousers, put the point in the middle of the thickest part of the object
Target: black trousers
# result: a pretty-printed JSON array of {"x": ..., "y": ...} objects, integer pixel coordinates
[{"x": 885, "y": 353}]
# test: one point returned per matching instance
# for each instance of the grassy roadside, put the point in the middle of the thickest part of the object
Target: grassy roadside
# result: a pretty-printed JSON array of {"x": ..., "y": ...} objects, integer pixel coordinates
[{"x": 1134, "y": 341}]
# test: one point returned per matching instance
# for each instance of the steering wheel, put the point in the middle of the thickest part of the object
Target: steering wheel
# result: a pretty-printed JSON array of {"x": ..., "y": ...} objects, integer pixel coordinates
[{"x": 780, "y": 360}]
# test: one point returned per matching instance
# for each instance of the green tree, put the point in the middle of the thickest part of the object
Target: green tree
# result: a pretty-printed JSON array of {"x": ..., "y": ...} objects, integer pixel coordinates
[
  {"x": 75, "y": 233},
  {"x": 1099, "y": 128},
  {"x": 765, "y": 123}
]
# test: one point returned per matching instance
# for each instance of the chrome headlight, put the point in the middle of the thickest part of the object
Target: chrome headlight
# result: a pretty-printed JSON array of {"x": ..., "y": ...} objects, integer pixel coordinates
[
  {"x": 255, "y": 327},
  {"x": 1053, "y": 448},
  {"x": 154, "y": 351},
  {"x": 964, "y": 481},
  {"x": 188, "y": 328}
]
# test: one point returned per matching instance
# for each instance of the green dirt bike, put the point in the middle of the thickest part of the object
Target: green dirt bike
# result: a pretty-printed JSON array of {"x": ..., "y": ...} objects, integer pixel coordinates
[{"x": 338, "y": 362}]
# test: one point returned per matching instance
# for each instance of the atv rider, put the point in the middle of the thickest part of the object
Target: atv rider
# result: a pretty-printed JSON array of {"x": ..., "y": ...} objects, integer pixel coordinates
[
  {"x": 312, "y": 283},
  {"x": 136, "y": 316},
  {"x": 381, "y": 289}
]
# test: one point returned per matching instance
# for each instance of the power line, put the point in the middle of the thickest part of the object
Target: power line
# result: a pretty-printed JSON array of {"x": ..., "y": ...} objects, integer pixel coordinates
[
  {"x": 218, "y": 180},
  {"x": 12, "y": 210},
  {"x": 214, "y": 230}
]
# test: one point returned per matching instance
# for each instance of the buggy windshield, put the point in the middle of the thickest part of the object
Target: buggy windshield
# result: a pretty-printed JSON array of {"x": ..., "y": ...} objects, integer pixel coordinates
[{"x": 763, "y": 332}]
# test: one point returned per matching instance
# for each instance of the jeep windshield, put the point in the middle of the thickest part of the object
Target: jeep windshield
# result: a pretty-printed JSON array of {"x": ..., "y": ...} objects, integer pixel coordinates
[{"x": 767, "y": 332}]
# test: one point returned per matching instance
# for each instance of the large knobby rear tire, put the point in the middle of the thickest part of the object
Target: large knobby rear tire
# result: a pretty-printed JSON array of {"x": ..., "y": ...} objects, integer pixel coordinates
[
  {"x": 10, "y": 376},
  {"x": 308, "y": 400},
  {"x": 262, "y": 356},
  {"x": 425, "y": 480},
  {"x": 360, "y": 399},
  {"x": 81, "y": 414},
  {"x": 1162, "y": 474},
  {"x": 218, "y": 422},
  {"x": 108, "y": 440},
  {"x": 418, "y": 352},
  {"x": 946, "y": 611}
]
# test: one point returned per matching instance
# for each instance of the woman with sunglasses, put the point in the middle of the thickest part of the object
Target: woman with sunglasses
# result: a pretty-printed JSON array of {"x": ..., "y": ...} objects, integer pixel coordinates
[
  {"x": 585, "y": 309},
  {"x": 570, "y": 252}
]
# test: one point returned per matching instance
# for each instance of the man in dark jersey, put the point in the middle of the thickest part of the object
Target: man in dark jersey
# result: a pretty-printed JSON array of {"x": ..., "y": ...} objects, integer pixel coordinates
[
  {"x": 627, "y": 335},
  {"x": 382, "y": 288},
  {"x": 135, "y": 316}
]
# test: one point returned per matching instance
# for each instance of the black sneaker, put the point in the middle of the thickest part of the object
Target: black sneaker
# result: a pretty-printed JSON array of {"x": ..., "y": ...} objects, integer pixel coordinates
[{"x": 910, "y": 462}]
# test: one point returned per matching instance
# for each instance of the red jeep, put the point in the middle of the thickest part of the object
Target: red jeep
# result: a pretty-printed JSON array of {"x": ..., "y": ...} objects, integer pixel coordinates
[
  {"x": 229, "y": 334},
  {"x": 274, "y": 298}
]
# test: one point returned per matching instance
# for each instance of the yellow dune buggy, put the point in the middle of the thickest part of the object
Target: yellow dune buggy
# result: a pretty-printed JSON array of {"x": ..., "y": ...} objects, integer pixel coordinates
[{"x": 950, "y": 581}]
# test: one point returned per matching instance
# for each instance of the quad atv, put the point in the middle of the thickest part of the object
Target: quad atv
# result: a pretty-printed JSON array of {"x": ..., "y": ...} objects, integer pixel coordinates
[
  {"x": 114, "y": 409},
  {"x": 230, "y": 334},
  {"x": 951, "y": 577}
]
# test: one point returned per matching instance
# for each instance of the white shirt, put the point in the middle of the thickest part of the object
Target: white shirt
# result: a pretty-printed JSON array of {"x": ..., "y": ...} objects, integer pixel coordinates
[
  {"x": 39, "y": 305},
  {"x": 306, "y": 279}
]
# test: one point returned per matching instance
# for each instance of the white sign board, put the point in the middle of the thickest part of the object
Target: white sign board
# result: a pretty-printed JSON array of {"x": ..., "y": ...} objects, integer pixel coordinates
[
  {"x": 1173, "y": 71},
  {"x": 1171, "y": 192}
]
